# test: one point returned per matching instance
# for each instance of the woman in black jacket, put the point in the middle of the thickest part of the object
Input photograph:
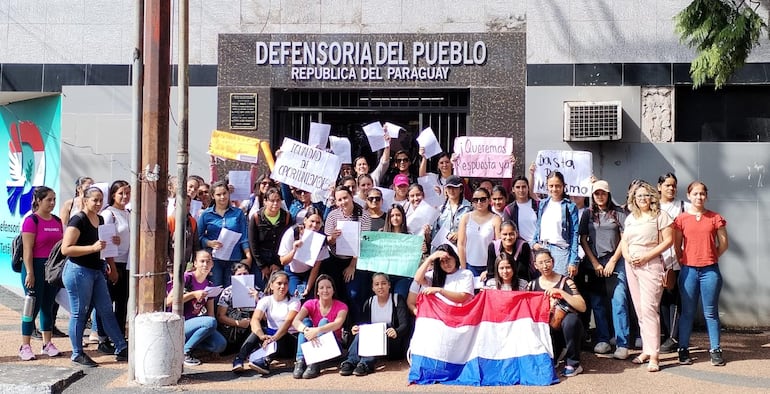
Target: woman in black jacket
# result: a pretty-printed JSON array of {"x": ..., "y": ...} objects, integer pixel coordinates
[{"x": 383, "y": 307}]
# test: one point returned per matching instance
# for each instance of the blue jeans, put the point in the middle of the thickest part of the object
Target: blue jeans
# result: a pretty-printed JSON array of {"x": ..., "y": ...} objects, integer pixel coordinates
[
  {"x": 617, "y": 286},
  {"x": 44, "y": 297},
  {"x": 87, "y": 287},
  {"x": 296, "y": 279},
  {"x": 477, "y": 270},
  {"x": 560, "y": 259},
  {"x": 400, "y": 285},
  {"x": 200, "y": 332},
  {"x": 221, "y": 273},
  {"x": 704, "y": 283},
  {"x": 301, "y": 337}
]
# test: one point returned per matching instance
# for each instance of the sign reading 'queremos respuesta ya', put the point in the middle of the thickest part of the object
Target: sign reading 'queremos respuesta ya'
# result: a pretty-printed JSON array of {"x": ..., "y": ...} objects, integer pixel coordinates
[{"x": 371, "y": 61}]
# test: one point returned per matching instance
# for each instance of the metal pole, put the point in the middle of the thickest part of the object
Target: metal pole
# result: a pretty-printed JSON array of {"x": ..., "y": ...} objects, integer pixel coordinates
[
  {"x": 136, "y": 160},
  {"x": 182, "y": 158}
]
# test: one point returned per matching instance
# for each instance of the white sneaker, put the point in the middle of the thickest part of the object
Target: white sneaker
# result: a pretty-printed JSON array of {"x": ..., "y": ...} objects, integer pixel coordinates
[
  {"x": 621, "y": 353},
  {"x": 602, "y": 348}
]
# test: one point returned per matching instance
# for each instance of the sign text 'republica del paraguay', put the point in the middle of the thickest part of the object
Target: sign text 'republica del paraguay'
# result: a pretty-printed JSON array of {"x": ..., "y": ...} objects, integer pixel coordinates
[{"x": 371, "y": 61}]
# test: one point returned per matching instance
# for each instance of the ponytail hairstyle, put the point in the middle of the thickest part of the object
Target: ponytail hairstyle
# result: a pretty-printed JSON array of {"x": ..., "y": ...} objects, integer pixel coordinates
[
  {"x": 558, "y": 175},
  {"x": 39, "y": 194},
  {"x": 79, "y": 184}
]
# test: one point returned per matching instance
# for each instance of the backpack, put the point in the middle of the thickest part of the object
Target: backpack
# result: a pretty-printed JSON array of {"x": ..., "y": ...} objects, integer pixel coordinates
[
  {"x": 17, "y": 247},
  {"x": 55, "y": 266}
]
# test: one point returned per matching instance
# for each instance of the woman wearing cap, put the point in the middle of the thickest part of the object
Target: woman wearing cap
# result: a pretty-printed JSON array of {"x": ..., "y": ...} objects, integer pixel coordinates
[
  {"x": 476, "y": 230},
  {"x": 401, "y": 186},
  {"x": 453, "y": 209},
  {"x": 601, "y": 229},
  {"x": 647, "y": 234}
]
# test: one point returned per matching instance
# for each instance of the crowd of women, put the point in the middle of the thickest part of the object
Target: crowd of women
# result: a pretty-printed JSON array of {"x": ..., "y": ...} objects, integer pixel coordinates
[{"x": 591, "y": 255}]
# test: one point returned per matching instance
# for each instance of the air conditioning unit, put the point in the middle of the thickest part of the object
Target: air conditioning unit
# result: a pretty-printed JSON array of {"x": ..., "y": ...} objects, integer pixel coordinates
[{"x": 592, "y": 120}]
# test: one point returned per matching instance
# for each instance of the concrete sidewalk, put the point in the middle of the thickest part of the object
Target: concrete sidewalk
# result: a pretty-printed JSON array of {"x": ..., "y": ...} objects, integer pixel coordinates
[{"x": 747, "y": 370}]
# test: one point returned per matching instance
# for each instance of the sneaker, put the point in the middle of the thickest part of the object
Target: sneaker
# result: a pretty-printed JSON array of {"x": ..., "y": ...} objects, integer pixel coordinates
[
  {"x": 669, "y": 346},
  {"x": 84, "y": 361},
  {"x": 259, "y": 367},
  {"x": 716, "y": 357},
  {"x": 37, "y": 335},
  {"x": 361, "y": 370},
  {"x": 638, "y": 343},
  {"x": 684, "y": 357},
  {"x": 312, "y": 371},
  {"x": 25, "y": 353},
  {"x": 570, "y": 371},
  {"x": 602, "y": 348},
  {"x": 58, "y": 333},
  {"x": 191, "y": 361},
  {"x": 106, "y": 348},
  {"x": 299, "y": 368},
  {"x": 621, "y": 353},
  {"x": 346, "y": 368},
  {"x": 50, "y": 349},
  {"x": 93, "y": 338},
  {"x": 237, "y": 364},
  {"x": 122, "y": 355}
]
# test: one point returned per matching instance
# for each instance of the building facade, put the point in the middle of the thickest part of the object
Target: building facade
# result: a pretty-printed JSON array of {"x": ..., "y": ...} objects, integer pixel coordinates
[{"x": 482, "y": 67}]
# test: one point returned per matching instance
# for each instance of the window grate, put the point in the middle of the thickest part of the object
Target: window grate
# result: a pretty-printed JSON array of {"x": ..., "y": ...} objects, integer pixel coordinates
[{"x": 592, "y": 121}]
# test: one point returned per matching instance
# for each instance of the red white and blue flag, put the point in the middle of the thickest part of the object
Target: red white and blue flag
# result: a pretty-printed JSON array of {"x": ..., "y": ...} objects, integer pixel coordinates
[{"x": 499, "y": 338}]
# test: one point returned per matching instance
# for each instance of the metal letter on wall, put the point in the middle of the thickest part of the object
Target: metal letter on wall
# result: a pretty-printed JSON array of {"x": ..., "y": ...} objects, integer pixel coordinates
[
  {"x": 658, "y": 114},
  {"x": 243, "y": 111}
]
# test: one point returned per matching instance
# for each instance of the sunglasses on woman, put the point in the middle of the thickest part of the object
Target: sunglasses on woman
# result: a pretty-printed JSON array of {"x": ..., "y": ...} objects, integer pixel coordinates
[{"x": 374, "y": 199}]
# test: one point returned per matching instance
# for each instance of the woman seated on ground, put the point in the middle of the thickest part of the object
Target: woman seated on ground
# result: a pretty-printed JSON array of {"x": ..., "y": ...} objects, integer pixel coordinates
[
  {"x": 565, "y": 300},
  {"x": 440, "y": 274},
  {"x": 234, "y": 322},
  {"x": 316, "y": 317},
  {"x": 279, "y": 310},
  {"x": 382, "y": 307},
  {"x": 200, "y": 326}
]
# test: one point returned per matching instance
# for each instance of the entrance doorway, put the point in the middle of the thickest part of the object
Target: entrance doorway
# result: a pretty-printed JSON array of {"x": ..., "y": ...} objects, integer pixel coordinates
[{"x": 347, "y": 111}]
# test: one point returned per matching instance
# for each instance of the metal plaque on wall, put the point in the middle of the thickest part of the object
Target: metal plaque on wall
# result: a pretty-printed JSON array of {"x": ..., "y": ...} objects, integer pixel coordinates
[{"x": 243, "y": 111}]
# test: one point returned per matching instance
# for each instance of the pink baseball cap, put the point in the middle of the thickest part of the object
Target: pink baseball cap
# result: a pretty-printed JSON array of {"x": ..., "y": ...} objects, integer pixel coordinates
[{"x": 400, "y": 180}]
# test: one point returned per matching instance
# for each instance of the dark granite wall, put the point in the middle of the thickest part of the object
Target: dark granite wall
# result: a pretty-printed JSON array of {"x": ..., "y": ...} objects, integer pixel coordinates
[{"x": 496, "y": 87}]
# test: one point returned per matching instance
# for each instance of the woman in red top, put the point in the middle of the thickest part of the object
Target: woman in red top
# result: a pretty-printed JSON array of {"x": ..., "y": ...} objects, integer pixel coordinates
[{"x": 696, "y": 230}]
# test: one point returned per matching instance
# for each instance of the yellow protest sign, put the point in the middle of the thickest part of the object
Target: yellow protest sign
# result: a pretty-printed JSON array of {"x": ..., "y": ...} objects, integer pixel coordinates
[{"x": 234, "y": 146}]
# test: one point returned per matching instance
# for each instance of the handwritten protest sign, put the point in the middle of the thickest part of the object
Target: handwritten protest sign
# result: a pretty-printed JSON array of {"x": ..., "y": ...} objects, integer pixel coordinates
[
  {"x": 391, "y": 253},
  {"x": 305, "y": 167},
  {"x": 483, "y": 157},
  {"x": 576, "y": 166},
  {"x": 234, "y": 147}
]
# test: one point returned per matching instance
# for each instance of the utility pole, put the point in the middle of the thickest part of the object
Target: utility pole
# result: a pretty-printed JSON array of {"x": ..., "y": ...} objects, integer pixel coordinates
[{"x": 182, "y": 157}]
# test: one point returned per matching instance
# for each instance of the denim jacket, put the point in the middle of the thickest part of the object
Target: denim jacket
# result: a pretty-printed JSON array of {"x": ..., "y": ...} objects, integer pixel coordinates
[{"x": 569, "y": 226}]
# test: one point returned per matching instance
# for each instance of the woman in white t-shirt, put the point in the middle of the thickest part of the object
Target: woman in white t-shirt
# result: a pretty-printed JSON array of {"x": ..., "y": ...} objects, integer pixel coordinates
[
  {"x": 279, "y": 310},
  {"x": 476, "y": 230},
  {"x": 440, "y": 274},
  {"x": 300, "y": 273}
]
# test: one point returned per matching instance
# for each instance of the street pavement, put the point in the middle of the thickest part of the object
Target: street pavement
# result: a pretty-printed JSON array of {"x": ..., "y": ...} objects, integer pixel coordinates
[{"x": 747, "y": 371}]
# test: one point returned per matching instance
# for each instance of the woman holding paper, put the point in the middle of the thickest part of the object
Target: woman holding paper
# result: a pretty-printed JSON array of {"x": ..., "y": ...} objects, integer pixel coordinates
[
  {"x": 300, "y": 273},
  {"x": 390, "y": 311},
  {"x": 444, "y": 164},
  {"x": 476, "y": 230},
  {"x": 278, "y": 310},
  {"x": 200, "y": 326},
  {"x": 451, "y": 212},
  {"x": 84, "y": 278},
  {"x": 265, "y": 231},
  {"x": 339, "y": 266},
  {"x": 223, "y": 216},
  {"x": 361, "y": 166},
  {"x": 233, "y": 322},
  {"x": 40, "y": 232},
  {"x": 318, "y": 316}
]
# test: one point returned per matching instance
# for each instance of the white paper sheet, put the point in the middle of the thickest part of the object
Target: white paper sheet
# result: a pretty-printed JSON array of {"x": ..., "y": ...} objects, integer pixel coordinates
[
  {"x": 106, "y": 232},
  {"x": 318, "y": 135},
  {"x": 420, "y": 216},
  {"x": 372, "y": 340},
  {"x": 387, "y": 197},
  {"x": 392, "y": 129},
  {"x": 241, "y": 181},
  {"x": 195, "y": 207},
  {"x": 261, "y": 352},
  {"x": 229, "y": 240},
  {"x": 213, "y": 291},
  {"x": 440, "y": 237},
  {"x": 312, "y": 242},
  {"x": 428, "y": 140},
  {"x": 241, "y": 286},
  {"x": 341, "y": 148},
  {"x": 376, "y": 136},
  {"x": 349, "y": 242},
  {"x": 320, "y": 349},
  {"x": 429, "y": 184}
]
